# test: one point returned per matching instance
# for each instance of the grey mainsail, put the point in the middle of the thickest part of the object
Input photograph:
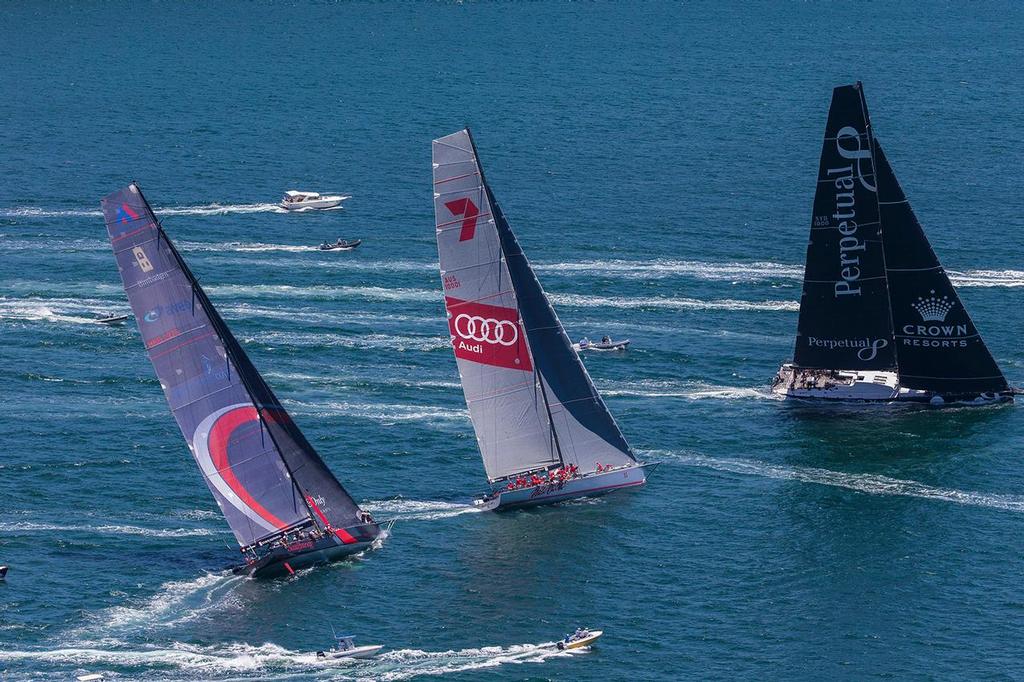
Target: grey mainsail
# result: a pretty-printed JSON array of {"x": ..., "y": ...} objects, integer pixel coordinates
[{"x": 531, "y": 400}]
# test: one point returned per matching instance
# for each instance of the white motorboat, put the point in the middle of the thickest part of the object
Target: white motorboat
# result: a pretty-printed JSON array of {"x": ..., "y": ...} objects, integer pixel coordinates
[
  {"x": 345, "y": 647},
  {"x": 111, "y": 319},
  {"x": 581, "y": 638},
  {"x": 295, "y": 200},
  {"x": 604, "y": 344}
]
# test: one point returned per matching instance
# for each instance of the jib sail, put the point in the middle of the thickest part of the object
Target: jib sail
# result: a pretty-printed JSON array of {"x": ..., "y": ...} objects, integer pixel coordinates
[
  {"x": 263, "y": 473},
  {"x": 844, "y": 311},
  {"x": 938, "y": 347}
]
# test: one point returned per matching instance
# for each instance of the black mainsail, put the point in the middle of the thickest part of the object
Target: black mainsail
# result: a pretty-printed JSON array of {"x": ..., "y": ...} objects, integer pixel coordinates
[
  {"x": 844, "y": 318},
  {"x": 938, "y": 348},
  {"x": 265, "y": 476}
]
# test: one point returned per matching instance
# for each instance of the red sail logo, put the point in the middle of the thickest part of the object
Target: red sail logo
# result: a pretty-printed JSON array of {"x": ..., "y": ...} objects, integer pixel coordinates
[
  {"x": 488, "y": 334},
  {"x": 465, "y": 207}
]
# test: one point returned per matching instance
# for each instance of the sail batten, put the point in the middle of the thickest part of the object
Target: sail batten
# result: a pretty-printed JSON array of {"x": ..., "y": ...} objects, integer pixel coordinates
[{"x": 248, "y": 449}]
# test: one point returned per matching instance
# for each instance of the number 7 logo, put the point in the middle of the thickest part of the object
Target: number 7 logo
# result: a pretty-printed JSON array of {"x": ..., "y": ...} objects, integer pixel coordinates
[{"x": 465, "y": 207}]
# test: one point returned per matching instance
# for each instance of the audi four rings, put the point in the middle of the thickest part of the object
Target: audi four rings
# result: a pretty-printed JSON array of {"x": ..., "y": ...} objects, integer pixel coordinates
[{"x": 476, "y": 328}]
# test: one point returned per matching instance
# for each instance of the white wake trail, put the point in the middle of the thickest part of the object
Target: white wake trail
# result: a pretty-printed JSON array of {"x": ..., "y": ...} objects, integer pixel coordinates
[{"x": 871, "y": 484}]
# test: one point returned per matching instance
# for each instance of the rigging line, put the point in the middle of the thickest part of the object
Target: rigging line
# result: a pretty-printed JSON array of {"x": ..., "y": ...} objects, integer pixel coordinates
[{"x": 220, "y": 326}]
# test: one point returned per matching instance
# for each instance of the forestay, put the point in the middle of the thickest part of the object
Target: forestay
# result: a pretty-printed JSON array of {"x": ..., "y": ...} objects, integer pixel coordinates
[
  {"x": 261, "y": 470},
  {"x": 531, "y": 401},
  {"x": 938, "y": 347},
  {"x": 844, "y": 318}
]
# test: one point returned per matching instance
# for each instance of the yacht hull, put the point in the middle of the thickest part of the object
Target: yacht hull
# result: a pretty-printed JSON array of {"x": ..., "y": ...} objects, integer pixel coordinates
[
  {"x": 588, "y": 485},
  {"x": 865, "y": 386}
]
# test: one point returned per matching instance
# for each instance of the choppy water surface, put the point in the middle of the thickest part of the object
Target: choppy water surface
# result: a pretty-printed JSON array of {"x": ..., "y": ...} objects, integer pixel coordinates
[{"x": 658, "y": 164}]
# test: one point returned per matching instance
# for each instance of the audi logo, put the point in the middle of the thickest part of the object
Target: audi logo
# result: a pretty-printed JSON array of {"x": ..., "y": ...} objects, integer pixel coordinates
[{"x": 476, "y": 328}]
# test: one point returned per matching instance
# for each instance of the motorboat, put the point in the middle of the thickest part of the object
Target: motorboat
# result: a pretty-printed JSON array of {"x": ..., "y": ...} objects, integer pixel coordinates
[
  {"x": 340, "y": 245},
  {"x": 111, "y": 319},
  {"x": 581, "y": 638},
  {"x": 605, "y": 344},
  {"x": 294, "y": 200},
  {"x": 3, "y": 572},
  {"x": 345, "y": 647}
]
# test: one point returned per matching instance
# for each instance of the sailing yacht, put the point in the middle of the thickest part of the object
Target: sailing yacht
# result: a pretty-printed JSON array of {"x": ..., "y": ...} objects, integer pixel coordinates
[
  {"x": 284, "y": 506},
  {"x": 879, "y": 318},
  {"x": 543, "y": 430}
]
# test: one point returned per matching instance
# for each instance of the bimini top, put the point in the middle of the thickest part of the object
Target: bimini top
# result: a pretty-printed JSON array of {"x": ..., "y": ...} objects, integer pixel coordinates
[{"x": 296, "y": 194}]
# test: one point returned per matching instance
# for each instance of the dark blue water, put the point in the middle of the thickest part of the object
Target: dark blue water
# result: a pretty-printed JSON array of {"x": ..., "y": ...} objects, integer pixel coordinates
[{"x": 658, "y": 163}]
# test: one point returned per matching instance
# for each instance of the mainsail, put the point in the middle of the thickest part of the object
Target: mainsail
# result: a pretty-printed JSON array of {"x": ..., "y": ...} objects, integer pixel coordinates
[
  {"x": 938, "y": 347},
  {"x": 263, "y": 473},
  {"x": 531, "y": 401},
  {"x": 844, "y": 314}
]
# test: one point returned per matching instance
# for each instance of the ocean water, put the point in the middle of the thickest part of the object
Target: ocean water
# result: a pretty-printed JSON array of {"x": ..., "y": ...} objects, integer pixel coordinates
[{"x": 657, "y": 161}]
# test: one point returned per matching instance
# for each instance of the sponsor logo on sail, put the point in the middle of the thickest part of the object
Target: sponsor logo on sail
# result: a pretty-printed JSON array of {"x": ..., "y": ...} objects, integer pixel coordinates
[
  {"x": 142, "y": 259},
  {"x": 844, "y": 178},
  {"x": 488, "y": 329},
  {"x": 934, "y": 333},
  {"x": 867, "y": 349},
  {"x": 465, "y": 207},
  {"x": 176, "y": 307},
  {"x": 487, "y": 334}
]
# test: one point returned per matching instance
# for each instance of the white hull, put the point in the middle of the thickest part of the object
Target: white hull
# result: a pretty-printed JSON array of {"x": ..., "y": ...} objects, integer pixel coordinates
[
  {"x": 615, "y": 345},
  {"x": 588, "y": 485},
  {"x": 582, "y": 642},
  {"x": 860, "y": 385},
  {"x": 330, "y": 202},
  {"x": 368, "y": 651}
]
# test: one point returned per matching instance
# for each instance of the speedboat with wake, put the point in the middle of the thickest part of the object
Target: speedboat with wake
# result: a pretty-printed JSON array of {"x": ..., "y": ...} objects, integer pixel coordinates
[
  {"x": 581, "y": 638},
  {"x": 879, "y": 318},
  {"x": 605, "y": 344},
  {"x": 285, "y": 507},
  {"x": 295, "y": 200},
  {"x": 345, "y": 647},
  {"x": 340, "y": 245},
  {"x": 544, "y": 432},
  {"x": 111, "y": 319}
]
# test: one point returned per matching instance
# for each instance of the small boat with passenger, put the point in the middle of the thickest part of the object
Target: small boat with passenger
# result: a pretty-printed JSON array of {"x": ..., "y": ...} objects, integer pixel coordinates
[
  {"x": 579, "y": 639},
  {"x": 605, "y": 344},
  {"x": 340, "y": 245},
  {"x": 345, "y": 647},
  {"x": 111, "y": 319},
  {"x": 294, "y": 200}
]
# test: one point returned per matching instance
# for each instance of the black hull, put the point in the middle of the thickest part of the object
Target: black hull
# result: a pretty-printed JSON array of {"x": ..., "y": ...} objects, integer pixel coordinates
[{"x": 285, "y": 560}]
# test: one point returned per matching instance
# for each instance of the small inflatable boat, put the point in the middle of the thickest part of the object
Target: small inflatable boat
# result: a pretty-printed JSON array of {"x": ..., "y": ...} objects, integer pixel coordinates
[
  {"x": 581, "y": 638},
  {"x": 603, "y": 344},
  {"x": 111, "y": 319},
  {"x": 340, "y": 245}
]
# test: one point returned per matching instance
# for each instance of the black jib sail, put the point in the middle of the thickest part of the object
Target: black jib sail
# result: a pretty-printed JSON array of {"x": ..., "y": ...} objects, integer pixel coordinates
[
  {"x": 263, "y": 473},
  {"x": 938, "y": 347},
  {"x": 844, "y": 313}
]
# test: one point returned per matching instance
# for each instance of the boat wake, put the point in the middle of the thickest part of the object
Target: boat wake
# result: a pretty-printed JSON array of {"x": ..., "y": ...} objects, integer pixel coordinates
[
  {"x": 688, "y": 391},
  {"x": 871, "y": 484},
  {"x": 30, "y": 527},
  {"x": 174, "y": 603},
  {"x": 200, "y": 210},
  {"x": 416, "y": 510},
  {"x": 180, "y": 660},
  {"x": 664, "y": 268},
  {"x": 388, "y": 414},
  {"x": 630, "y": 302}
]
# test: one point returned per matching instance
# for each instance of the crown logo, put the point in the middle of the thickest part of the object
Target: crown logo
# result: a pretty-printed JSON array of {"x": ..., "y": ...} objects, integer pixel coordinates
[{"x": 933, "y": 308}]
